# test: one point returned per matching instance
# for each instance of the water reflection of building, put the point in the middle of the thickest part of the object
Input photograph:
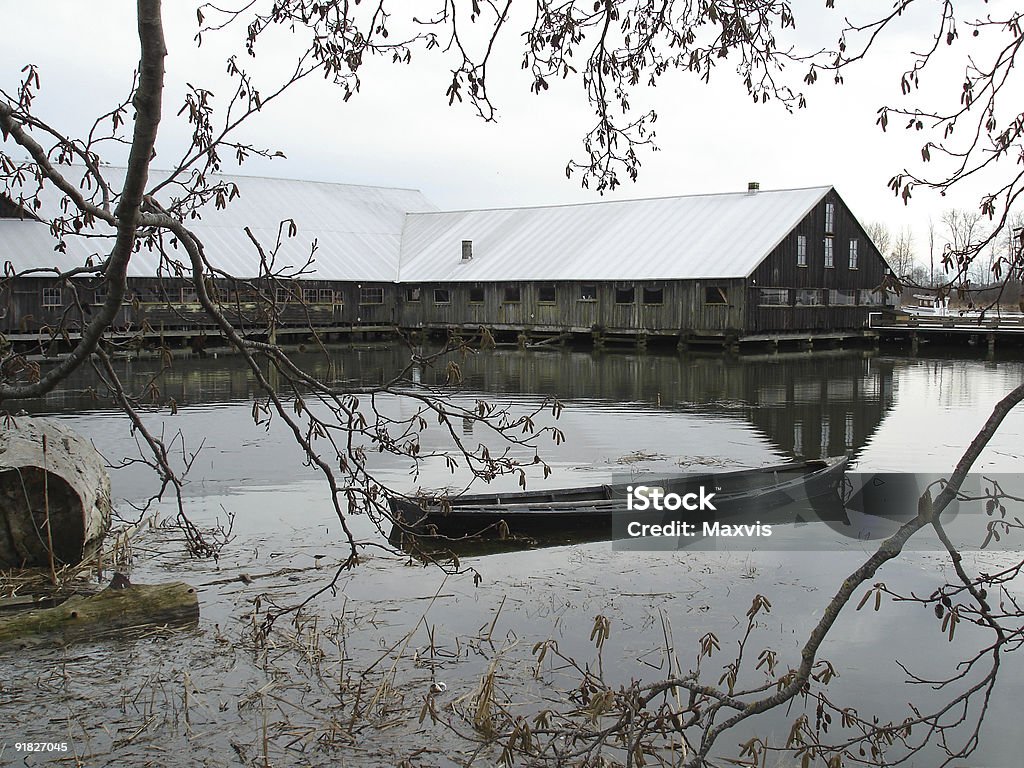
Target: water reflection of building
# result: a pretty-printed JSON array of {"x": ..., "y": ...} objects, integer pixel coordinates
[
  {"x": 811, "y": 405},
  {"x": 826, "y": 408},
  {"x": 823, "y": 404}
]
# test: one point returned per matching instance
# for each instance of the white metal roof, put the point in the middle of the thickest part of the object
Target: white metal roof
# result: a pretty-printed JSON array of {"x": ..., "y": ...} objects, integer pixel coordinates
[
  {"x": 698, "y": 236},
  {"x": 387, "y": 235},
  {"x": 357, "y": 229}
]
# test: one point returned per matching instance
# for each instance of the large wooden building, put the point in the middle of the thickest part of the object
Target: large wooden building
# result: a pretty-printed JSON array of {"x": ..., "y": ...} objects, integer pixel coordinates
[
  {"x": 332, "y": 250},
  {"x": 701, "y": 267},
  {"x": 723, "y": 267}
]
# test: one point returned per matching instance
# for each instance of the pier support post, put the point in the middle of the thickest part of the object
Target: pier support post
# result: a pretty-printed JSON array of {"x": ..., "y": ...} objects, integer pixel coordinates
[
  {"x": 914, "y": 343},
  {"x": 597, "y": 339},
  {"x": 641, "y": 342},
  {"x": 523, "y": 340},
  {"x": 991, "y": 338}
]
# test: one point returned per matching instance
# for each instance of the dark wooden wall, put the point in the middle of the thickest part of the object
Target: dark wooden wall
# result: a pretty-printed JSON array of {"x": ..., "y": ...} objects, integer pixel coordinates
[
  {"x": 681, "y": 308},
  {"x": 161, "y": 304},
  {"x": 781, "y": 270}
]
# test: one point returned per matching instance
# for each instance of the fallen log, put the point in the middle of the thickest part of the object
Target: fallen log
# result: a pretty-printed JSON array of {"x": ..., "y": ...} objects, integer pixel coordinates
[
  {"x": 131, "y": 609},
  {"x": 54, "y": 489}
]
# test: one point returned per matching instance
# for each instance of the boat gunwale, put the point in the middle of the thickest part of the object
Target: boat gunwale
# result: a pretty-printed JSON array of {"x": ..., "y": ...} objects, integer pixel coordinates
[{"x": 464, "y": 507}]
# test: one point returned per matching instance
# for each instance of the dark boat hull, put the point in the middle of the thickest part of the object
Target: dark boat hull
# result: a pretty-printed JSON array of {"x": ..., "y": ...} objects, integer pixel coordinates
[{"x": 788, "y": 489}]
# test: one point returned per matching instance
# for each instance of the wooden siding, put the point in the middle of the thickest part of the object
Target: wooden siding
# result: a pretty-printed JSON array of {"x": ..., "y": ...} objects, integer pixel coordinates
[
  {"x": 682, "y": 307},
  {"x": 781, "y": 270},
  {"x": 169, "y": 304}
]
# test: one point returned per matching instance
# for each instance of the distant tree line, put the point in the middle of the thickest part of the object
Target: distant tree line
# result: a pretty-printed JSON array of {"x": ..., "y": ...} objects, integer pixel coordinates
[{"x": 990, "y": 277}]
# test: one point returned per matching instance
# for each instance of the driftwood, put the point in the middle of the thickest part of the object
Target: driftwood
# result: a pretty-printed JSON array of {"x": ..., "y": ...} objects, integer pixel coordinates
[
  {"x": 53, "y": 488},
  {"x": 111, "y": 612}
]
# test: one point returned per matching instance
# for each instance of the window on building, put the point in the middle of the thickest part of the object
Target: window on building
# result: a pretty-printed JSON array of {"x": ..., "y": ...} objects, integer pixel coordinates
[
  {"x": 774, "y": 297},
  {"x": 654, "y": 296},
  {"x": 829, "y": 258},
  {"x": 801, "y": 250},
  {"x": 476, "y": 294},
  {"x": 830, "y": 217},
  {"x": 371, "y": 295},
  {"x": 281, "y": 295},
  {"x": 53, "y": 297},
  {"x": 842, "y": 298},
  {"x": 588, "y": 292},
  {"x": 853, "y": 253},
  {"x": 309, "y": 295},
  {"x": 326, "y": 296},
  {"x": 716, "y": 294},
  {"x": 546, "y": 293},
  {"x": 189, "y": 295},
  {"x": 512, "y": 294},
  {"x": 625, "y": 295},
  {"x": 442, "y": 296},
  {"x": 808, "y": 297},
  {"x": 871, "y": 297},
  {"x": 413, "y": 294}
]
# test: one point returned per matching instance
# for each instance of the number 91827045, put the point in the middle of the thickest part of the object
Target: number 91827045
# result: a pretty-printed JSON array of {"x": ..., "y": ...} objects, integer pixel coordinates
[{"x": 41, "y": 746}]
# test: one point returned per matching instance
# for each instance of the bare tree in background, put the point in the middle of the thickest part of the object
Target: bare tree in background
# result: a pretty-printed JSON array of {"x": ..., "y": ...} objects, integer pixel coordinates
[
  {"x": 902, "y": 257},
  {"x": 881, "y": 237},
  {"x": 962, "y": 231},
  {"x": 899, "y": 252},
  {"x": 614, "y": 48}
]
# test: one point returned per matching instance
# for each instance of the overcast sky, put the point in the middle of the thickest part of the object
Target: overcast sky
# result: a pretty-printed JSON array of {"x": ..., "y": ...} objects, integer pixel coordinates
[{"x": 400, "y": 131}]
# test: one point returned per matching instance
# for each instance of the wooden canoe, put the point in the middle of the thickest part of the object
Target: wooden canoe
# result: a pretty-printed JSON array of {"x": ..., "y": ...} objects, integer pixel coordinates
[{"x": 592, "y": 508}]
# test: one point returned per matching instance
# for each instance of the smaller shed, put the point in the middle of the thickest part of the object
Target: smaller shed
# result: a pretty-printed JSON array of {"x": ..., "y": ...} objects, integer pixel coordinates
[{"x": 333, "y": 248}]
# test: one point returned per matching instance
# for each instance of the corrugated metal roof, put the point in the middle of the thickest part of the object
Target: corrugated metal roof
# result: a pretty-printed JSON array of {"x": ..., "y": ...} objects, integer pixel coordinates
[
  {"x": 698, "y": 236},
  {"x": 382, "y": 234},
  {"x": 357, "y": 229},
  {"x": 29, "y": 245}
]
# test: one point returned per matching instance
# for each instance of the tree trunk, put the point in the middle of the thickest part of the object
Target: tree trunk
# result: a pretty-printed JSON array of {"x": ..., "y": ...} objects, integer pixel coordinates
[
  {"x": 105, "y": 614},
  {"x": 55, "y": 489}
]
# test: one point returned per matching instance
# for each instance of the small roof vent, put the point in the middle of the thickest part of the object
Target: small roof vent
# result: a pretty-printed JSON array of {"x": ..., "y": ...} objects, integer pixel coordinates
[
  {"x": 753, "y": 186},
  {"x": 467, "y": 250}
]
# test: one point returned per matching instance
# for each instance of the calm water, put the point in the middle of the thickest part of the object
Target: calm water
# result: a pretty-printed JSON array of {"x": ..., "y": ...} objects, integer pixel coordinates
[{"x": 622, "y": 413}]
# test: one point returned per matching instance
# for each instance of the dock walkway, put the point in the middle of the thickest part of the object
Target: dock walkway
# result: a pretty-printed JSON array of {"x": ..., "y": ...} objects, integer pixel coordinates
[{"x": 973, "y": 325}]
